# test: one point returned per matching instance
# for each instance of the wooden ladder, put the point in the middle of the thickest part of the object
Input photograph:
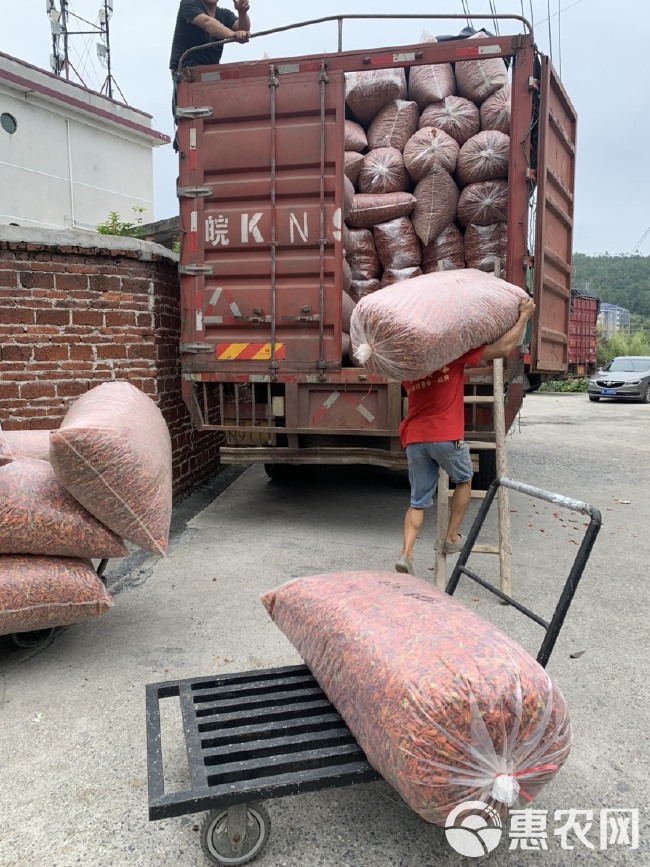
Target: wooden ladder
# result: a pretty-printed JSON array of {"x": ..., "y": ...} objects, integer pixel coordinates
[{"x": 504, "y": 547}]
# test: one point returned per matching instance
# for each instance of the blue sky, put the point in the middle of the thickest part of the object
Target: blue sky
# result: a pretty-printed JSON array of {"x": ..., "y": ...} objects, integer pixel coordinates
[{"x": 597, "y": 46}]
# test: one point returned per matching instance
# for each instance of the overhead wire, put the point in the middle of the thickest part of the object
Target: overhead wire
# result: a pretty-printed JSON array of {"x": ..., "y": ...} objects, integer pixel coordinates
[
  {"x": 466, "y": 11},
  {"x": 550, "y": 31},
  {"x": 493, "y": 9}
]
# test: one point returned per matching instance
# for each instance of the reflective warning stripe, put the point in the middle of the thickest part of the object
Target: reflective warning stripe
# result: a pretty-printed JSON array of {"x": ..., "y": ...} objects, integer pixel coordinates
[{"x": 248, "y": 351}]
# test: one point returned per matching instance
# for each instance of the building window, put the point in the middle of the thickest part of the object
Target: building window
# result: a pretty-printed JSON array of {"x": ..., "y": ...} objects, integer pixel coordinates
[{"x": 8, "y": 122}]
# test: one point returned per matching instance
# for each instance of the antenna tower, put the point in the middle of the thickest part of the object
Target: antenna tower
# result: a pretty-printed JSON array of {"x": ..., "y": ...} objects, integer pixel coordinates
[{"x": 59, "y": 14}]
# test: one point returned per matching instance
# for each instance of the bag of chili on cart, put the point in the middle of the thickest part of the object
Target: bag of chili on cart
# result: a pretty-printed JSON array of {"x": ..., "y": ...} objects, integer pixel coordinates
[{"x": 446, "y": 707}]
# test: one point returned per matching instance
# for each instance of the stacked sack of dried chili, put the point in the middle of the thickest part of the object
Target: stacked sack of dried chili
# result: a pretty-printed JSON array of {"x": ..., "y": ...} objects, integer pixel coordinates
[
  {"x": 73, "y": 494},
  {"x": 431, "y": 148},
  {"x": 446, "y": 707}
]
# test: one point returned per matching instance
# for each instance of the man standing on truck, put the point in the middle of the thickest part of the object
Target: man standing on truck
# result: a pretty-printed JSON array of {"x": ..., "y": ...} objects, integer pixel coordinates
[
  {"x": 432, "y": 434},
  {"x": 202, "y": 22}
]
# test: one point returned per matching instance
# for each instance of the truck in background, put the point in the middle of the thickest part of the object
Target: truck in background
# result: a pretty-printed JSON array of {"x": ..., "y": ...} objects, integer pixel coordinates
[
  {"x": 583, "y": 332},
  {"x": 261, "y": 198}
]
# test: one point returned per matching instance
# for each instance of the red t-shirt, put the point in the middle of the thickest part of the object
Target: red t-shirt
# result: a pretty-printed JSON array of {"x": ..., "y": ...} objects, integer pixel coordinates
[{"x": 436, "y": 411}]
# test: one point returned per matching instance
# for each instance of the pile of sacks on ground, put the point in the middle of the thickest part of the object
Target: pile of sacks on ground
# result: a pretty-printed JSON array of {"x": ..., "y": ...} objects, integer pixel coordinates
[
  {"x": 76, "y": 494},
  {"x": 426, "y": 164}
]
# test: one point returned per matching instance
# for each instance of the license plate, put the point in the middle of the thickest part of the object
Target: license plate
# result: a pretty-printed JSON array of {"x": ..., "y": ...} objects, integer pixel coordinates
[
  {"x": 249, "y": 438},
  {"x": 609, "y": 391}
]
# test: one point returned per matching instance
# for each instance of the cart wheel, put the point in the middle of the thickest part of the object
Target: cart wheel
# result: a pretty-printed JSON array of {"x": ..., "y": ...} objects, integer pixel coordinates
[
  {"x": 29, "y": 640},
  {"x": 224, "y": 848}
]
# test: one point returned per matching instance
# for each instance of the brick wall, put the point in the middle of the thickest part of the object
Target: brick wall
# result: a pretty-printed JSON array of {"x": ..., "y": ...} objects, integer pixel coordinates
[{"x": 80, "y": 309}]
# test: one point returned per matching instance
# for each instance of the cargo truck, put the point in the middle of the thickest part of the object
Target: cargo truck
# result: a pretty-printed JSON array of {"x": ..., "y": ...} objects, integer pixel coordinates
[
  {"x": 583, "y": 332},
  {"x": 261, "y": 196}
]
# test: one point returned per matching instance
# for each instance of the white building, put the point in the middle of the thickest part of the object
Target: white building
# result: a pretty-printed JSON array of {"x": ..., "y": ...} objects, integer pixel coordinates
[
  {"x": 69, "y": 156},
  {"x": 612, "y": 318}
]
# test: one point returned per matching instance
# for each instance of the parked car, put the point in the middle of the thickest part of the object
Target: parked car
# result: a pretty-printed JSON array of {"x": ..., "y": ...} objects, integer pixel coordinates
[{"x": 626, "y": 376}]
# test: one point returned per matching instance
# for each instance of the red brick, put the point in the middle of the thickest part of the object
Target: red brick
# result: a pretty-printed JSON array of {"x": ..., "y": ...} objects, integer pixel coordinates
[
  {"x": 18, "y": 316},
  {"x": 36, "y": 280},
  {"x": 16, "y": 353},
  {"x": 92, "y": 318},
  {"x": 122, "y": 318},
  {"x": 52, "y": 317},
  {"x": 51, "y": 352},
  {"x": 82, "y": 352},
  {"x": 104, "y": 283},
  {"x": 70, "y": 389},
  {"x": 111, "y": 351},
  {"x": 35, "y": 390},
  {"x": 72, "y": 282},
  {"x": 8, "y": 390}
]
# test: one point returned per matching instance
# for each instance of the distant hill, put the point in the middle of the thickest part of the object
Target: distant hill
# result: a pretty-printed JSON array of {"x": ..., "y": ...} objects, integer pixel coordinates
[{"x": 622, "y": 280}]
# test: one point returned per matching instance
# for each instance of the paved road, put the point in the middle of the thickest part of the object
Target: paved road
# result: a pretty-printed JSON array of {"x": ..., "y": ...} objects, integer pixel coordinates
[{"x": 72, "y": 747}]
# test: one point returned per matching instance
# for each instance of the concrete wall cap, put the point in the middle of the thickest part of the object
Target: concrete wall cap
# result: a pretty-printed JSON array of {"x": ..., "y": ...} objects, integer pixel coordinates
[{"x": 146, "y": 250}]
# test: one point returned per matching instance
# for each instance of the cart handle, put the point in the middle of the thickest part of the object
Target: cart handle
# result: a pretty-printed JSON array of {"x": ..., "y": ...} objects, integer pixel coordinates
[{"x": 553, "y": 627}]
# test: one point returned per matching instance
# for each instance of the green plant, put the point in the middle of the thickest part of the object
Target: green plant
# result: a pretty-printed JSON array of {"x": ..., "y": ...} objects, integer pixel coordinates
[
  {"x": 579, "y": 384},
  {"x": 114, "y": 225}
]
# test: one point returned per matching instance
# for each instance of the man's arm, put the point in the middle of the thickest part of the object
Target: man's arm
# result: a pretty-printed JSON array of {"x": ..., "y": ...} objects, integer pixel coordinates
[
  {"x": 240, "y": 28},
  {"x": 243, "y": 21},
  {"x": 506, "y": 344}
]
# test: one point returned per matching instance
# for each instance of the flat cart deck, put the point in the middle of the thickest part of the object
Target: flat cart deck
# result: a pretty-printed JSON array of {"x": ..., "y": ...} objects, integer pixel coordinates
[{"x": 258, "y": 735}]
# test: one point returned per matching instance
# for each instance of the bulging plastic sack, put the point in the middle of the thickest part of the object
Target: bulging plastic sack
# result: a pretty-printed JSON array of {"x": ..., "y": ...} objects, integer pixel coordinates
[
  {"x": 26, "y": 444},
  {"x": 397, "y": 244},
  {"x": 446, "y": 252},
  {"x": 427, "y": 149},
  {"x": 446, "y": 707},
  {"x": 393, "y": 126},
  {"x": 486, "y": 247},
  {"x": 478, "y": 79},
  {"x": 367, "y": 92},
  {"x": 354, "y": 136},
  {"x": 383, "y": 171},
  {"x": 455, "y": 115},
  {"x": 431, "y": 83},
  {"x": 483, "y": 203},
  {"x": 44, "y": 592},
  {"x": 361, "y": 254},
  {"x": 38, "y": 516},
  {"x": 484, "y": 157},
  {"x": 408, "y": 331},
  {"x": 112, "y": 452},
  {"x": 398, "y": 275},
  {"x": 353, "y": 163},
  {"x": 495, "y": 111},
  {"x": 368, "y": 209},
  {"x": 436, "y": 198}
]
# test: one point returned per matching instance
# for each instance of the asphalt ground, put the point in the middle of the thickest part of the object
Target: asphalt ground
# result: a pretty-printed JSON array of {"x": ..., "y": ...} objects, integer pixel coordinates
[{"x": 73, "y": 769}]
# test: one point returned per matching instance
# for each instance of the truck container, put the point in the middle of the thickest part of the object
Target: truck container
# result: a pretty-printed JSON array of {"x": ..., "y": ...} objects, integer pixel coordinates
[
  {"x": 583, "y": 332},
  {"x": 261, "y": 190}
]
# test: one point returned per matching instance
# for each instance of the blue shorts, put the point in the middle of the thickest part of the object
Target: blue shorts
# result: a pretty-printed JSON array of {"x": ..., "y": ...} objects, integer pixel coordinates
[{"x": 424, "y": 461}]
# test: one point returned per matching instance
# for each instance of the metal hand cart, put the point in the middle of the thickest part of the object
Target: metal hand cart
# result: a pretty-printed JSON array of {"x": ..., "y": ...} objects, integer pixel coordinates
[{"x": 258, "y": 735}]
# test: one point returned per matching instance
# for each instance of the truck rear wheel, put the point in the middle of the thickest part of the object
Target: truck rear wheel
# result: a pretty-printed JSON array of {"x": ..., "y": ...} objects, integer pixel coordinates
[{"x": 281, "y": 473}]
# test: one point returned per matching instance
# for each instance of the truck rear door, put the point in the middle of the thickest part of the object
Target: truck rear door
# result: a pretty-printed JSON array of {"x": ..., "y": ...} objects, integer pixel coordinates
[{"x": 556, "y": 155}]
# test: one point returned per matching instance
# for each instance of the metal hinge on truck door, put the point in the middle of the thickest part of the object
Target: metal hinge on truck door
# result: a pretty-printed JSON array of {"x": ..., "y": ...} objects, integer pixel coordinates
[
  {"x": 196, "y": 270},
  {"x": 194, "y": 111},
  {"x": 196, "y": 347},
  {"x": 194, "y": 192}
]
